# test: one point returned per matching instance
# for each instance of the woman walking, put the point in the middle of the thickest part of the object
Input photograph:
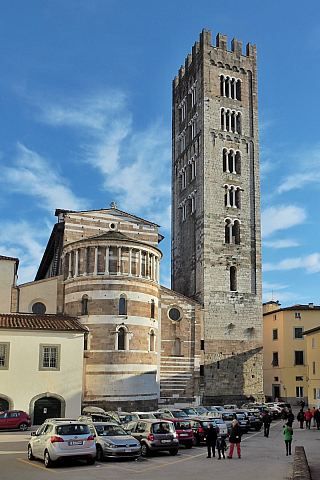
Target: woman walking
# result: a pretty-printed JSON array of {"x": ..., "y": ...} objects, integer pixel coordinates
[{"x": 288, "y": 432}]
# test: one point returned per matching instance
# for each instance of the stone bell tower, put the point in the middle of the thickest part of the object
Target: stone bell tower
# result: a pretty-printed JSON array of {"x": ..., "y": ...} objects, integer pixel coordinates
[{"x": 216, "y": 231}]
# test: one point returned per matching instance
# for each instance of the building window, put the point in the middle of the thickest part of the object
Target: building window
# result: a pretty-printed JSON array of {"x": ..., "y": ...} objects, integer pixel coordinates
[
  {"x": 175, "y": 314},
  {"x": 299, "y": 392},
  {"x": 274, "y": 318},
  {"x": 192, "y": 163},
  {"x": 202, "y": 345},
  {"x": 122, "y": 305},
  {"x": 313, "y": 343},
  {"x": 183, "y": 206},
  {"x": 313, "y": 368},
  {"x": 49, "y": 357},
  {"x": 193, "y": 125},
  {"x": 314, "y": 394},
  {"x": 232, "y": 196},
  {"x": 231, "y": 161},
  {"x": 230, "y": 120},
  {"x": 230, "y": 87},
  {"x": 182, "y": 110},
  {"x": 297, "y": 333},
  {"x": 233, "y": 279},
  {"x": 84, "y": 305},
  {"x": 121, "y": 338},
  {"x": 39, "y": 308},
  {"x": 152, "y": 341},
  {"x": 193, "y": 93},
  {"x": 299, "y": 357},
  {"x": 232, "y": 231},
  {"x": 152, "y": 309},
  {"x": 275, "y": 359},
  {"x": 275, "y": 334},
  {"x": 276, "y": 379},
  {"x": 299, "y": 379},
  {"x": 183, "y": 175},
  {"x": 4, "y": 355},
  {"x": 201, "y": 370},
  {"x": 297, "y": 315}
]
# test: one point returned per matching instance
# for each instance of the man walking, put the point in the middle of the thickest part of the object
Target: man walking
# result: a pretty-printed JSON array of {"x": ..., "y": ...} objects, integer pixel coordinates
[
  {"x": 211, "y": 438},
  {"x": 284, "y": 416},
  {"x": 266, "y": 423},
  {"x": 308, "y": 416},
  {"x": 317, "y": 418},
  {"x": 235, "y": 438}
]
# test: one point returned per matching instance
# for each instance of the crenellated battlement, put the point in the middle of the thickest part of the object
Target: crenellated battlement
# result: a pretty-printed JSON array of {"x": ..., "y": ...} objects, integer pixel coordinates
[{"x": 221, "y": 44}]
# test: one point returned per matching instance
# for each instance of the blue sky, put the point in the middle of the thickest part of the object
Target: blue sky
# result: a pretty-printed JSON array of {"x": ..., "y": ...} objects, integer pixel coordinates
[{"x": 85, "y": 102}]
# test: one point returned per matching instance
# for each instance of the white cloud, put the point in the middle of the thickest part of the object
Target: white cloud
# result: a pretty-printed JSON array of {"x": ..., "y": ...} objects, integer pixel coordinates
[
  {"x": 34, "y": 176},
  {"x": 311, "y": 263},
  {"x": 281, "y": 218},
  {"x": 280, "y": 243},
  {"x": 298, "y": 180},
  {"x": 273, "y": 286}
]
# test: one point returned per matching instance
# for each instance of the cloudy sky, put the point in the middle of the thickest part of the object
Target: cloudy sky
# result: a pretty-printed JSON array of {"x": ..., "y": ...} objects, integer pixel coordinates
[{"x": 85, "y": 102}]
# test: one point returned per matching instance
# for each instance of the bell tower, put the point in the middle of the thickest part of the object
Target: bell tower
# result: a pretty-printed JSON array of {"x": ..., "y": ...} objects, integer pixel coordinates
[{"x": 216, "y": 231}]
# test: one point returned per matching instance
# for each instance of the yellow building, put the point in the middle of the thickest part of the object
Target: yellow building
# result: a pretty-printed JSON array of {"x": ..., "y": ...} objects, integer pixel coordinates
[
  {"x": 285, "y": 363},
  {"x": 313, "y": 361}
]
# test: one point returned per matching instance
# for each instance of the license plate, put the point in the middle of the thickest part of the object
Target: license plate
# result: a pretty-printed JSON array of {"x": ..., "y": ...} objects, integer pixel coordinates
[
  {"x": 183, "y": 434},
  {"x": 78, "y": 442},
  {"x": 127, "y": 450},
  {"x": 165, "y": 441}
]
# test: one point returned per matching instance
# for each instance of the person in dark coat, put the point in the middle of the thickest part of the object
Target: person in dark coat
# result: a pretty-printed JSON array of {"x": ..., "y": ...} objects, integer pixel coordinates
[
  {"x": 221, "y": 446},
  {"x": 211, "y": 438},
  {"x": 266, "y": 423},
  {"x": 317, "y": 418},
  {"x": 290, "y": 418},
  {"x": 235, "y": 438},
  {"x": 302, "y": 404},
  {"x": 284, "y": 416},
  {"x": 300, "y": 418}
]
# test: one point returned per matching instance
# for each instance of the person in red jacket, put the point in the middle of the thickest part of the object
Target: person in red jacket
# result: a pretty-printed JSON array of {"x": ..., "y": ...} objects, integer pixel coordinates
[{"x": 308, "y": 416}]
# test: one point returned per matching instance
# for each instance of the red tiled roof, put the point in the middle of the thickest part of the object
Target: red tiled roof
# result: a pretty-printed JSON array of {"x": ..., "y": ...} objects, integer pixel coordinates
[
  {"x": 40, "y": 322},
  {"x": 3, "y": 257}
]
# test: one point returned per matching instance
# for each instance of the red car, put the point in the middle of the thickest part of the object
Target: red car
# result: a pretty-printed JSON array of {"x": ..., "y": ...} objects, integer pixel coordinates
[
  {"x": 15, "y": 419},
  {"x": 184, "y": 431}
]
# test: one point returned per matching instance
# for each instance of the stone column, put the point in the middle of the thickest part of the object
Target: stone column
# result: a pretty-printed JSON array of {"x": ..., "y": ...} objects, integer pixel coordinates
[
  {"x": 106, "y": 271},
  {"x": 70, "y": 265},
  {"x": 119, "y": 261},
  {"x": 95, "y": 271},
  {"x": 130, "y": 262},
  {"x": 139, "y": 262},
  {"x": 76, "y": 266},
  {"x": 85, "y": 262}
]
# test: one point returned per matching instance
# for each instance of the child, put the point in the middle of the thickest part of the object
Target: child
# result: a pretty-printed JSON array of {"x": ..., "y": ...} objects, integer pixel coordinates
[
  {"x": 221, "y": 446},
  {"x": 288, "y": 432}
]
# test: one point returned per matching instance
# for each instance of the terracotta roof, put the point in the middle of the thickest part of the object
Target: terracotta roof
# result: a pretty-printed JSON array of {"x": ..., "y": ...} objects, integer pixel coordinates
[
  {"x": 40, "y": 322},
  {"x": 3, "y": 257},
  {"x": 312, "y": 330},
  {"x": 295, "y": 308}
]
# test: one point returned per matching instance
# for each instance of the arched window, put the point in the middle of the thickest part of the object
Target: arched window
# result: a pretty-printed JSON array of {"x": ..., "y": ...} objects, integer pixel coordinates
[
  {"x": 152, "y": 341},
  {"x": 122, "y": 305},
  {"x": 236, "y": 232},
  {"x": 121, "y": 338},
  {"x": 233, "y": 279},
  {"x": 152, "y": 309},
  {"x": 84, "y": 305},
  {"x": 228, "y": 233}
]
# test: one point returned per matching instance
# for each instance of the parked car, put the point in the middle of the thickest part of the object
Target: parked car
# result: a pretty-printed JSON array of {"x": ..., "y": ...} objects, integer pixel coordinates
[
  {"x": 174, "y": 412},
  {"x": 144, "y": 415},
  {"x": 199, "y": 426},
  {"x": 96, "y": 417},
  {"x": 154, "y": 436},
  {"x": 230, "y": 407},
  {"x": 255, "y": 419},
  {"x": 243, "y": 422},
  {"x": 56, "y": 440},
  {"x": 216, "y": 407},
  {"x": 184, "y": 431},
  {"x": 190, "y": 411},
  {"x": 223, "y": 429},
  {"x": 113, "y": 441},
  {"x": 123, "y": 417},
  {"x": 16, "y": 419},
  {"x": 227, "y": 417},
  {"x": 163, "y": 415}
]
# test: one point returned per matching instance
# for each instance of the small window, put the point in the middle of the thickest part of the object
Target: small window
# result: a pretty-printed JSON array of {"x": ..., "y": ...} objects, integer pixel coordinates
[
  {"x": 297, "y": 333},
  {"x": 274, "y": 318},
  {"x": 299, "y": 357},
  {"x": 313, "y": 342},
  {"x": 276, "y": 379},
  {"x": 313, "y": 368},
  {"x": 84, "y": 305},
  {"x": 175, "y": 314},
  {"x": 275, "y": 359},
  {"x": 275, "y": 334},
  {"x": 152, "y": 309},
  {"x": 121, "y": 338},
  {"x": 202, "y": 345},
  {"x": 39, "y": 308},
  {"x": 233, "y": 279},
  {"x": 299, "y": 379},
  {"x": 297, "y": 315},
  {"x": 122, "y": 306},
  {"x": 49, "y": 357},
  {"x": 4, "y": 356},
  {"x": 152, "y": 341},
  {"x": 314, "y": 394},
  {"x": 201, "y": 370},
  {"x": 299, "y": 392}
]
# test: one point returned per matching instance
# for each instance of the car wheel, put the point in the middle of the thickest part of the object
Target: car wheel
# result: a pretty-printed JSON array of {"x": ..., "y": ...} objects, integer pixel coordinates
[
  {"x": 91, "y": 461},
  {"x": 99, "y": 456},
  {"x": 30, "y": 454},
  {"x": 145, "y": 451},
  {"x": 48, "y": 463},
  {"x": 23, "y": 426},
  {"x": 196, "y": 441},
  {"x": 174, "y": 452},
  {"x": 189, "y": 445}
]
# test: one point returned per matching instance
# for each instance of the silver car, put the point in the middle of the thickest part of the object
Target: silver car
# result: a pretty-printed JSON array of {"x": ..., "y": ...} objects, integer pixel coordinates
[
  {"x": 113, "y": 441},
  {"x": 56, "y": 440}
]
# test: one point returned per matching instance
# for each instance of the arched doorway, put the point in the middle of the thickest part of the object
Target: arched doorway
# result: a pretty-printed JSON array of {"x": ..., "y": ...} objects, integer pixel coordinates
[
  {"x": 46, "y": 407},
  {"x": 4, "y": 405}
]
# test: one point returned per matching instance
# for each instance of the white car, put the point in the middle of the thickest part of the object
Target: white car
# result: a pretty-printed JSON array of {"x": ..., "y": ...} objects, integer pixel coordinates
[{"x": 56, "y": 440}]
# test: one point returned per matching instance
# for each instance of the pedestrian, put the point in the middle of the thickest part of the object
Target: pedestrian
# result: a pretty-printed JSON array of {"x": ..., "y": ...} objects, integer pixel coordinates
[
  {"x": 235, "y": 438},
  {"x": 308, "y": 416},
  {"x": 288, "y": 432},
  {"x": 284, "y": 416},
  {"x": 317, "y": 418},
  {"x": 313, "y": 411},
  {"x": 221, "y": 446},
  {"x": 290, "y": 418},
  {"x": 266, "y": 423},
  {"x": 211, "y": 438},
  {"x": 302, "y": 404},
  {"x": 300, "y": 418}
]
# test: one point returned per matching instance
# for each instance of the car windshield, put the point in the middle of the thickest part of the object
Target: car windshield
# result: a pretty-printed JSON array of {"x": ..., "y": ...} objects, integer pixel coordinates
[
  {"x": 110, "y": 430},
  {"x": 178, "y": 413},
  {"x": 218, "y": 420},
  {"x": 127, "y": 418},
  {"x": 201, "y": 410},
  {"x": 163, "y": 427},
  {"x": 162, "y": 415},
  {"x": 73, "y": 430},
  {"x": 227, "y": 416},
  {"x": 189, "y": 411},
  {"x": 182, "y": 426},
  {"x": 212, "y": 409},
  {"x": 146, "y": 415},
  {"x": 241, "y": 416},
  {"x": 205, "y": 424}
]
